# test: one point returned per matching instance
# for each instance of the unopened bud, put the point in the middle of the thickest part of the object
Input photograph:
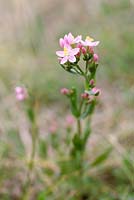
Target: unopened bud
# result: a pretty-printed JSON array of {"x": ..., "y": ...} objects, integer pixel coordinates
[
  {"x": 95, "y": 58},
  {"x": 92, "y": 82},
  {"x": 83, "y": 49},
  {"x": 65, "y": 91}
]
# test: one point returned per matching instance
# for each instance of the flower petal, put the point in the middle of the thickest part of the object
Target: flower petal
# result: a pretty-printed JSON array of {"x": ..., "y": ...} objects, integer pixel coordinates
[
  {"x": 72, "y": 58},
  {"x": 94, "y": 44},
  {"x": 64, "y": 60},
  {"x": 74, "y": 51},
  {"x": 60, "y": 53},
  {"x": 78, "y": 39},
  {"x": 61, "y": 42},
  {"x": 70, "y": 38}
]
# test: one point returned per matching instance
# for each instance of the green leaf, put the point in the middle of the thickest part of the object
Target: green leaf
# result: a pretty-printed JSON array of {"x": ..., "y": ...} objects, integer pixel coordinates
[
  {"x": 73, "y": 101},
  {"x": 16, "y": 142},
  {"x": 101, "y": 158},
  {"x": 128, "y": 163},
  {"x": 42, "y": 196},
  {"x": 89, "y": 110},
  {"x": 30, "y": 114},
  {"x": 86, "y": 135}
]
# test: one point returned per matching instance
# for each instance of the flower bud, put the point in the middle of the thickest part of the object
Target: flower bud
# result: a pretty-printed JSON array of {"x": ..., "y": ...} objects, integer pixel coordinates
[
  {"x": 91, "y": 50},
  {"x": 95, "y": 58},
  {"x": 83, "y": 49},
  {"x": 79, "y": 46},
  {"x": 78, "y": 54},
  {"x": 92, "y": 82},
  {"x": 65, "y": 91}
]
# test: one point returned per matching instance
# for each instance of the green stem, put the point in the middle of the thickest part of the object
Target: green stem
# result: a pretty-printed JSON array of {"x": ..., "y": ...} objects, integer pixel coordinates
[
  {"x": 79, "y": 126},
  {"x": 34, "y": 136},
  {"x": 86, "y": 67}
]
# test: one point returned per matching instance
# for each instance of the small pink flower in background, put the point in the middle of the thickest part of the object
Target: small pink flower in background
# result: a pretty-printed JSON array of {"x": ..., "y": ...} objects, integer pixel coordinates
[
  {"x": 53, "y": 127},
  {"x": 95, "y": 57},
  {"x": 69, "y": 40},
  {"x": 90, "y": 42},
  {"x": 69, "y": 120},
  {"x": 96, "y": 91},
  {"x": 21, "y": 93},
  {"x": 65, "y": 91},
  {"x": 67, "y": 55}
]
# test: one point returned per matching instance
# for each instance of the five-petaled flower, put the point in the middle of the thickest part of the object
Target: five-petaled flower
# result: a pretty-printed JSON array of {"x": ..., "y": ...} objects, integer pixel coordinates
[
  {"x": 89, "y": 42},
  {"x": 69, "y": 40},
  {"x": 68, "y": 54}
]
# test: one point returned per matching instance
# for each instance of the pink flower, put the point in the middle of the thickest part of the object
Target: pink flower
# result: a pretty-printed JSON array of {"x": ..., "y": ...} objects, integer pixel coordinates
[
  {"x": 53, "y": 127},
  {"x": 70, "y": 120},
  {"x": 95, "y": 58},
  {"x": 90, "y": 42},
  {"x": 21, "y": 93},
  {"x": 96, "y": 91},
  {"x": 65, "y": 91},
  {"x": 67, "y": 55},
  {"x": 69, "y": 40}
]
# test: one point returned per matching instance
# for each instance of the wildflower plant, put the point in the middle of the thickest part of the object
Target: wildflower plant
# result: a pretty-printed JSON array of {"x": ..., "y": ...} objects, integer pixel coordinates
[
  {"x": 29, "y": 105},
  {"x": 78, "y": 57}
]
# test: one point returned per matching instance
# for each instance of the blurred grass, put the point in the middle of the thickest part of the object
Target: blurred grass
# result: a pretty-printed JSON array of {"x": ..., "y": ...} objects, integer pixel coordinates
[{"x": 31, "y": 55}]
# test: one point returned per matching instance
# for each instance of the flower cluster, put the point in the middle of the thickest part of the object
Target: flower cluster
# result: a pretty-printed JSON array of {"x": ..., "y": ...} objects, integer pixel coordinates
[
  {"x": 74, "y": 47},
  {"x": 74, "y": 50}
]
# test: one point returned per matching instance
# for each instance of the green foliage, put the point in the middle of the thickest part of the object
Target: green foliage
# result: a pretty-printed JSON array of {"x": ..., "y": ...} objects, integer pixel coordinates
[
  {"x": 101, "y": 158},
  {"x": 17, "y": 145},
  {"x": 41, "y": 196},
  {"x": 73, "y": 101},
  {"x": 31, "y": 114}
]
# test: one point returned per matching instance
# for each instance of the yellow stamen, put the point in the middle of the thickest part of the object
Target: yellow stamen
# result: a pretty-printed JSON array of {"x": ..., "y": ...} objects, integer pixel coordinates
[
  {"x": 89, "y": 39},
  {"x": 65, "y": 51}
]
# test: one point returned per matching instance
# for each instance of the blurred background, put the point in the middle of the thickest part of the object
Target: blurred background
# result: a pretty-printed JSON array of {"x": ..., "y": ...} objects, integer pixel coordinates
[{"x": 29, "y": 35}]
